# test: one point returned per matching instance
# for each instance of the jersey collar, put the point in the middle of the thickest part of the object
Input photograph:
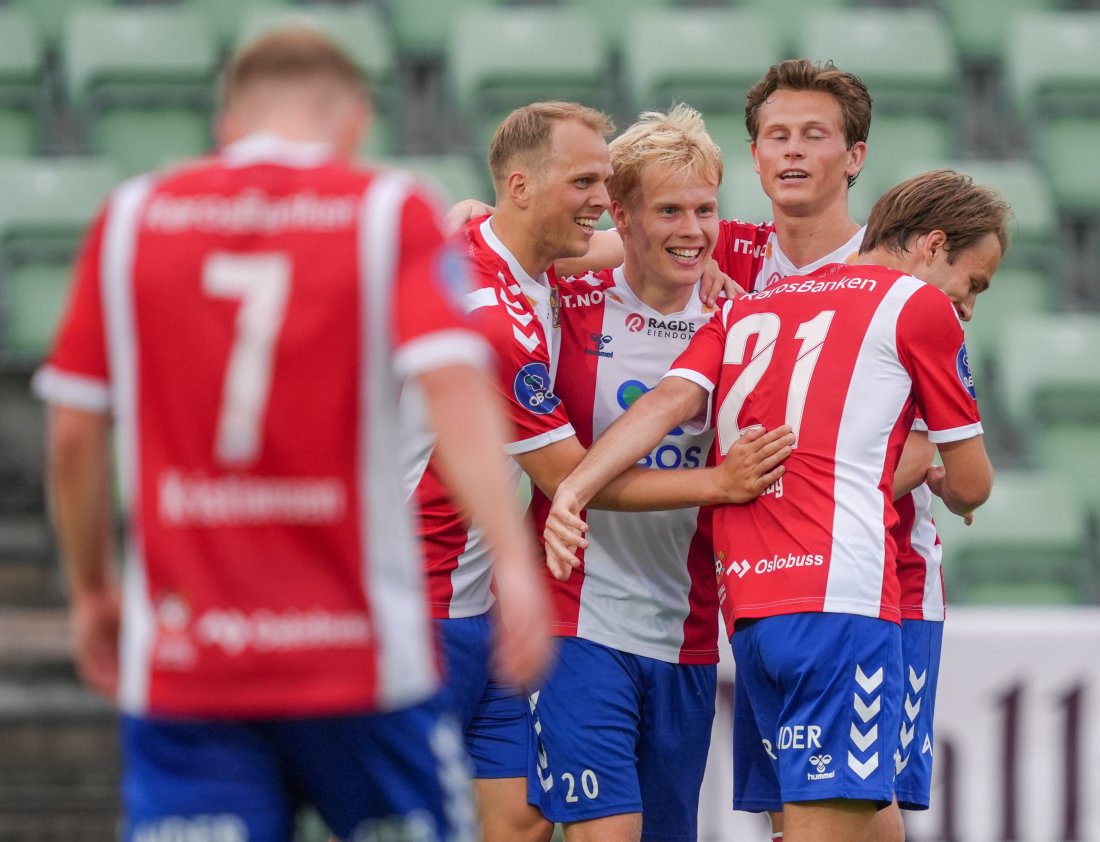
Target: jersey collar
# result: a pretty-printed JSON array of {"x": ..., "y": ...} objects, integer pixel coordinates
[
  {"x": 539, "y": 286},
  {"x": 270, "y": 148},
  {"x": 841, "y": 255}
]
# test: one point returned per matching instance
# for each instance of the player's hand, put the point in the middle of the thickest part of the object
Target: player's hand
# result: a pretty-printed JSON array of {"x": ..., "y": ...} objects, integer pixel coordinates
[
  {"x": 935, "y": 479},
  {"x": 753, "y": 462},
  {"x": 462, "y": 212},
  {"x": 95, "y": 616},
  {"x": 714, "y": 283},
  {"x": 564, "y": 534},
  {"x": 524, "y": 647}
]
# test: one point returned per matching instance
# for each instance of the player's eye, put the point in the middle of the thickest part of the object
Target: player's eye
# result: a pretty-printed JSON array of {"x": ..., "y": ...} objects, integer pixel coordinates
[{"x": 583, "y": 183}]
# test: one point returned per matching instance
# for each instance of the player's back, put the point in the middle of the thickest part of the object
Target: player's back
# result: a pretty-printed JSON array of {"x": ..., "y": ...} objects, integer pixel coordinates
[
  {"x": 248, "y": 305},
  {"x": 841, "y": 357}
]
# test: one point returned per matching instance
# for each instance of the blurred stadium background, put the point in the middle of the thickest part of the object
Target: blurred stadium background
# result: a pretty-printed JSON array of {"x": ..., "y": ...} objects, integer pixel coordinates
[{"x": 92, "y": 91}]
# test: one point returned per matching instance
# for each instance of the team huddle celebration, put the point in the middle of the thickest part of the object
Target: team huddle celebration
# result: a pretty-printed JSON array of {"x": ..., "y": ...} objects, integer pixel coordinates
[{"x": 310, "y": 393}]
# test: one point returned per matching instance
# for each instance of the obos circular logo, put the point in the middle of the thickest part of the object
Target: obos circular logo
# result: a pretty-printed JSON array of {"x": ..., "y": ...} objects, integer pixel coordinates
[
  {"x": 962, "y": 365},
  {"x": 630, "y": 391},
  {"x": 532, "y": 389},
  {"x": 635, "y": 322}
]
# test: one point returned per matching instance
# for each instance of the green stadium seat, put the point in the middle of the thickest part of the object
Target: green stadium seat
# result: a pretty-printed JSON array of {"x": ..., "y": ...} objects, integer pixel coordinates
[
  {"x": 908, "y": 61},
  {"x": 1015, "y": 291},
  {"x": 500, "y": 59},
  {"x": 615, "y": 16},
  {"x": 364, "y": 34},
  {"x": 49, "y": 17},
  {"x": 979, "y": 29},
  {"x": 1052, "y": 68},
  {"x": 421, "y": 27},
  {"x": 141, "y": 80},
  {"x": 454, "y": 176},
  {"x": 1028, "y": 544},
  {"x": 1050, "y": 370},
  {"x": 45, "y": 206},
  {"x": 225, "y": 18},
  {"x": 1035, "y": 238},
  {"x": 707, "y": 58},
  {"x": 1073, "y": 452},
  {"x": 21, "y": 93},
  {"x": 789, "y": 18}
]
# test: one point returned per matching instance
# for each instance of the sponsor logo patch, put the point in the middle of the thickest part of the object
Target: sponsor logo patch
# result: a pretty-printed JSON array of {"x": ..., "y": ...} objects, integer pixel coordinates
[
  {"x": 532, "y": 389},
  {"x": 962, "y": 365}
]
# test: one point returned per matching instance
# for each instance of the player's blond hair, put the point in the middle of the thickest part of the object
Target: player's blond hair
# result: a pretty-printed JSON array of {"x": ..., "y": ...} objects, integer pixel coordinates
[
  {"x": 524, "y": 135},
  {"x": 292, "y": 53},
  {"x": 678, "y": 139},
  {"x": 940, "y": 200},
  {"x": 803, "y": 75}
]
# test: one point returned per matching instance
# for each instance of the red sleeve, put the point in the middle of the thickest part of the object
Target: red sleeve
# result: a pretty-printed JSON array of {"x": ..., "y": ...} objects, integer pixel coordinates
[
  {"x": 701, "y": 361},
  {"x": 740, "y": 250},
  {"x": 431, "y": 278},
  {"x": 931, "y": 346}
]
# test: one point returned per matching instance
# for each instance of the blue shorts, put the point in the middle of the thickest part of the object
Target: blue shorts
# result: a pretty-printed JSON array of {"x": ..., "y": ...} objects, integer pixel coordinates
[
  {"x": 620, "y": 733},
  {"x": 401, "y": 774},
  {"x": 492, "y": 715},
  {"x": 921, "y": 641},
  {"x": 821, "y": 695}
]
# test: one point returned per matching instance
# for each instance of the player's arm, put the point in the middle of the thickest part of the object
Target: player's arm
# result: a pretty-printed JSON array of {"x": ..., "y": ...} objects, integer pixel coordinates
[
  {"x": 605, "y": 251},
  {"x": 472, "y": 463},
  {"x": 916, "y": 459},
  {"x": 78, "y": 480},
  {"x": 966, "y": 478},
  {"x": 639, "y": 489}
]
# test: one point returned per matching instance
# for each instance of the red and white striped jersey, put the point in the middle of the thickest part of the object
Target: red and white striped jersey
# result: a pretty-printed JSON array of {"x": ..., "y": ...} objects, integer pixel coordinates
[
  {"x": 920, "y": 556},
  {"x": 751, "y": 255},
  {"x": 846, "y": 357},
  {"x": 518, "y": 313},
  {"x": 247, "y": 321},
  {"x": 646, "y": 583}
]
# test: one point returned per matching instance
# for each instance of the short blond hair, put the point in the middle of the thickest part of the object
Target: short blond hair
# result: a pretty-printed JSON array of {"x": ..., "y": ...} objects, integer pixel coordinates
[
  {"x": 678, "y": 139},
  {"x": 291, "y": 53},
  {"x": 525, "y": 133}
]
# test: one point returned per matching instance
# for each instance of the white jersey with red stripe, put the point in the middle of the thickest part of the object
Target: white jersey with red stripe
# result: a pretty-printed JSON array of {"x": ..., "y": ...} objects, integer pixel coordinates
[
  {"x": 519, "y": 315},
  {"x": 247, "y": 321},
  {"x": 646, "y": 582},
  {"x": 846, "y": 357},
  {"x": 920, "y": 556}
]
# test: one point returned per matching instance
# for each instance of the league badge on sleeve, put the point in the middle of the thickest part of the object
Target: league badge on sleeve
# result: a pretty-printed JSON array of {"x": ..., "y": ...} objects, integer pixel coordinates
[
  {"x": 453, "y": 273},
  {"x": 532, "y": 389},
  {"x": 962, "y": 365}
]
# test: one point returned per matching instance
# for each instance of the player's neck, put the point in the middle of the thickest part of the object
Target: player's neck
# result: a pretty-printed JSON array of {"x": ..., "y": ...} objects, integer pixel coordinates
[
  {"x": 883, "y": 256},
  {"x": 513, "y": 232},
  {"x": 654, "y": 292},
  {"x": 807, "y": 239}
]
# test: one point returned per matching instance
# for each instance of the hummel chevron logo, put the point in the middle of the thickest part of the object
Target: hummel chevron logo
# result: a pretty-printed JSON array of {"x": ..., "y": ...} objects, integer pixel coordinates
[
  {"x": 868, "y": 684},
  {"x": 906, "y": 735},
  {"x": 917, "y": 681},
  {"x": 867, "y": 712},
  {"x": 529, "y": 342},
  {"x": 911, "y": 710},
  {"x": 863, "y": 769},
  {"x": 863, "y": 741},
  {"x": 739, "y": 567},
  {"x": 900, "y": 763},
  {"x": 927, "y": 747},
  {"x": 533, "y": 700}
]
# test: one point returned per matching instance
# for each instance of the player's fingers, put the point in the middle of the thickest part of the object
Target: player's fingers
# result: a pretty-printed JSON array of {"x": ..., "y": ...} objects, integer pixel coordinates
[
  {"x": 968, "y": 518},
  {"x": 774, "y": 457},
  {"x": 768, "y": 479}
]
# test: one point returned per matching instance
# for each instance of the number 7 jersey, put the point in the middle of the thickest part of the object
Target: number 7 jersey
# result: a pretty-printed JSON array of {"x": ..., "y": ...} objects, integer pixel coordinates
[
  {"x": 247, "y": 322},
  {"x": 845, "y": 356}
]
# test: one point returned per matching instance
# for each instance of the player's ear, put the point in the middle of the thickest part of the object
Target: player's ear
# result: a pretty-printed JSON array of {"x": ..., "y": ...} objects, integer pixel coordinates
[
  {"x": 932, "y": 245},
  {"x": 518, "y": 186},
  {"x": 857, "y": 156},
  {"x": 755, "y": 163},
  {"x": 619, "y": 216}
]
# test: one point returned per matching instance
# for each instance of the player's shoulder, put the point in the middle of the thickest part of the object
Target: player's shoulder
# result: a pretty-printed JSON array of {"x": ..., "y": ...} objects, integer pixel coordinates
[{"x": 579, "y": 290}]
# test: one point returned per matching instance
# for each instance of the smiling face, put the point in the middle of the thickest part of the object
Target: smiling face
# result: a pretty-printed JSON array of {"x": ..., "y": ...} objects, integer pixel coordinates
[
  {"x": 801, "y": 153},
  {"x": 669, "y": 229},
  {"x": 968, "y": 275},
  {"x": 568, "y": 194}
]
